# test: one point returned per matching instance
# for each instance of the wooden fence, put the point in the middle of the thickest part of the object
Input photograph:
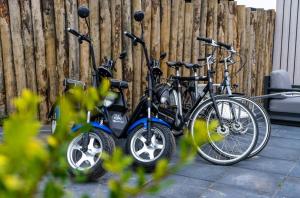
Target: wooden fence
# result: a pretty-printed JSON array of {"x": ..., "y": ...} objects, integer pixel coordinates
[{"x": 36, "y": 51}]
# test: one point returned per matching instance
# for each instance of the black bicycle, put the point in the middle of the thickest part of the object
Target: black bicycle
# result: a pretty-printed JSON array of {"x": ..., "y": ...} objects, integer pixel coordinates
[{"x": 236, "y": 122}]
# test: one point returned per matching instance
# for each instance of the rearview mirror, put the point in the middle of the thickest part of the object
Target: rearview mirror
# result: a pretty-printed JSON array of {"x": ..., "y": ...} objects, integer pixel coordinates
[
  {"x": 163, "y": 55},
  {"x": 138, "y": 16},
  {"x": 83, "y": 12},
  {"x": 123, "y": 55}
]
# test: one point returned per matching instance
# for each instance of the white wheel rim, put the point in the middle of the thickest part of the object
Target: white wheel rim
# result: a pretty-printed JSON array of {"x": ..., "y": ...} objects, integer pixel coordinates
[
  {"x": 53, "y": 125},
  {"x": 206, "y": 155},
  {"x": 267, "y": 128},
  {"x": 143, "y": 152},
  {"x": 80, "y": 160}
]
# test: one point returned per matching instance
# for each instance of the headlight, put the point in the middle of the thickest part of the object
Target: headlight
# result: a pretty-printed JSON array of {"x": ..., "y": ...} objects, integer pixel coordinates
[
  {"x": 164, "y": 96},
  {"x": 107, "y": 103},
  {"x": 109, "y": 99}
]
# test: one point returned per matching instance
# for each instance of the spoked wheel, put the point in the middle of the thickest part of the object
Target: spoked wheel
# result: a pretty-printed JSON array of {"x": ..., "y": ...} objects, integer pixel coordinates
[
  {"x": 162, "y": 145},
  {"x": 87, "y": 161},
  {"x": 239, "y": 130},
  {"x": 263, "y": 122}
]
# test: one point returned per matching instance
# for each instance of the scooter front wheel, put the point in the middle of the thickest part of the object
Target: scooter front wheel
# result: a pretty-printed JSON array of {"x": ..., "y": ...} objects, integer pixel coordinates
[
  {"x": 87, "y": 161},
  {"x": 162, "y": 145}
]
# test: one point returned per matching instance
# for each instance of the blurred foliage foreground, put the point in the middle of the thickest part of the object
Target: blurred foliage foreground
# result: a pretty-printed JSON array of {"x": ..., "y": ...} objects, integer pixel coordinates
[{"x": 31, "y": 167}]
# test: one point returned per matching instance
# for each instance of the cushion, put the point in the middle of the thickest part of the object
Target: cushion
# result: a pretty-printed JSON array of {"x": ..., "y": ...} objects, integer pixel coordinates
[
  {"x": 280, "y": 79},
  {"x": 288, "y": 105}
]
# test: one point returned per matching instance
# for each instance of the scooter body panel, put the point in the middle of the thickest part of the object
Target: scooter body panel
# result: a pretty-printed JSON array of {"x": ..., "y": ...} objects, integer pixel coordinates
[
  {"x": 143, "y": 121},
  {"x": 95, "y": 125}
]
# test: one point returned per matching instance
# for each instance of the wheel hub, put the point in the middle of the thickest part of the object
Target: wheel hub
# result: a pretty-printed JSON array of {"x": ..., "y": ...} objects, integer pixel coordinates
[{"x": 223, "y": 130}]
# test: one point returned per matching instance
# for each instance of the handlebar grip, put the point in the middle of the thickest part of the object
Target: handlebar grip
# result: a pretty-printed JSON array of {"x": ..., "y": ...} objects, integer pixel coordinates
[
  {"x": 226, "y": 46},
  {"x": 202, "y": 59},
  {"x": 130, "y": 35},
  {"x": 207, "y": 40},
  {"x": 74, "y": 32}
]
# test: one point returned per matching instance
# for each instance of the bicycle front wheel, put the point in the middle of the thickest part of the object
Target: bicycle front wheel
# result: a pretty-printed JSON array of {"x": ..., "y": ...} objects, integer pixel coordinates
[{"x": 239, "y": 129}]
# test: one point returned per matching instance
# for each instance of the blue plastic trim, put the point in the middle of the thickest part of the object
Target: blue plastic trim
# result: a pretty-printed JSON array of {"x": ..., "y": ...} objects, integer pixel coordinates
[
  {"x": 143, "y": 121},
  {"x": 95, "y": 125},
  {"x": 57, "y": 112}
]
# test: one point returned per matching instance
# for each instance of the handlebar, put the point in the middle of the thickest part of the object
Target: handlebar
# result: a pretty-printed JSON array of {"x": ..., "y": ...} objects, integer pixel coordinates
[
  {"x": 216, "y": 43},
  {"x": 80, "y": 36},
  {"x": 134, "y": 38},
  {"x": 74, "y": 32}
]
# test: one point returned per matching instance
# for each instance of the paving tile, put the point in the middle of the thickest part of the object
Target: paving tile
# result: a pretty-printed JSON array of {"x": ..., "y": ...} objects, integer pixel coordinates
[
  {"x": 280, "y": 153},
  {"x": 90, "y": 189},
  {"x": 295, "y": 171},
  {"x": 204, "y": 171},
  {"x": 284, "y": 143},
  {"x": 184, "y": 187},
  {"x": 257, "y": 181},
  {"x": 290, "y": 188},
  {"x": 286, "y": 133},
  {"x": 223, "y": 190},
  {"x": 270, "y": 165}
]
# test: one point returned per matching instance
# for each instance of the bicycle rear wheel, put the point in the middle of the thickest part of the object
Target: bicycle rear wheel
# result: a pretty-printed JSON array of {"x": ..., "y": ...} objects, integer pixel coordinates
[
  {"x": 239, "y": 131},
  {"x": 263, "y": 121}
]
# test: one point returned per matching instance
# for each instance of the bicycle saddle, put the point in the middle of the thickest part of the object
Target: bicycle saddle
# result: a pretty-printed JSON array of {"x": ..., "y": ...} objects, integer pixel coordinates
[
  {"x": 191, "y": 66},
  {"x": 174, "y": 64},
  {"x": 119, "y": 84}
]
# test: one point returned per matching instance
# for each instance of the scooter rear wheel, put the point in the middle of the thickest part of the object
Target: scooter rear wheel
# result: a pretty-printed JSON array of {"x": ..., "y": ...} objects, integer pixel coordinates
[{"x": 162, "y": 145}]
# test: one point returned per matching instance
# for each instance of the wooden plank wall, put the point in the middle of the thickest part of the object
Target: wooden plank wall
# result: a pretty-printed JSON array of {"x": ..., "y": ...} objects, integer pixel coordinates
[
  {"x": 287, "y": 38},
  {"x": 36, "y": 51}
]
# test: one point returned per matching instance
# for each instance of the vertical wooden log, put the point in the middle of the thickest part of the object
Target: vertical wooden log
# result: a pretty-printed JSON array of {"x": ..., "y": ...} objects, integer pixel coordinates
[
  {"x": 7, "y": 58},
  {"x": 40, "y": 58},
  {"x": 17, "y": 44},
  {"x": 212, "y": 23},
  {"x": 248, "y": 53},
  {"x": 253, "y": 64},
  {"x": 165, "y": 30},
  {"x": 85, "y": 66},
  {"x": 271, "y": 40},
  {"x": 61, "y": 54},
  {"x": 155, "y": 29},
  {"x": 203, "y": 23},
  {"x": 127, "y": 45},
  {"x": 241, "y": 44},
  {"x": 232, "y": 35},
  {"x": 116, "y": 7},
  {"x": 49, "y": 30},
  {"x": 27, "y": 36},
  {"x": 266, "y": 43},
  {"x": 174, "y": 32},
  {"x": 181, "y": 31},
  {"x": 147, "y": 5},
  {"x": 262, "y": 49},
  {"x": 212, "y": 19},
  {"x": 72, "y": 22},
  {"x": 137, "y": 57},
  {"x": 94, "y": 6},
  {"x": 105, "y": 29},
  {"x": 258, "y": 35},
  {"x": 222, "y": 26},
  {"x": 2, "y": 87},
  {"x": 188, "y": 27},
  {"x": 196, "y": 31}
]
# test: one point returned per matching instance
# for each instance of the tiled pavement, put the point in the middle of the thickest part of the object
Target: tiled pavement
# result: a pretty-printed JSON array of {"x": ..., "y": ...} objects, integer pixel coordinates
[{"x": 274, "y": 173}]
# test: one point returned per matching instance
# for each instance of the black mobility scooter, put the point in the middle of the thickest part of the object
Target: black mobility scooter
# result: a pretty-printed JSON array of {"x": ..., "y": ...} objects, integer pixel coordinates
[{"x": 148, "y": 138}]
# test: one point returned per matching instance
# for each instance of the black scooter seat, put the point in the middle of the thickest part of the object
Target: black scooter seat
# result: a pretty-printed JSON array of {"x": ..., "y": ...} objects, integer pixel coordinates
[{"x": 119, "y": 84}]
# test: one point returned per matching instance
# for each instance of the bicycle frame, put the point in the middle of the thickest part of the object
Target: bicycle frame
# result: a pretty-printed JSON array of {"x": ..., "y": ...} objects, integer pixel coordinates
[{"x": 208, "y": 89}]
